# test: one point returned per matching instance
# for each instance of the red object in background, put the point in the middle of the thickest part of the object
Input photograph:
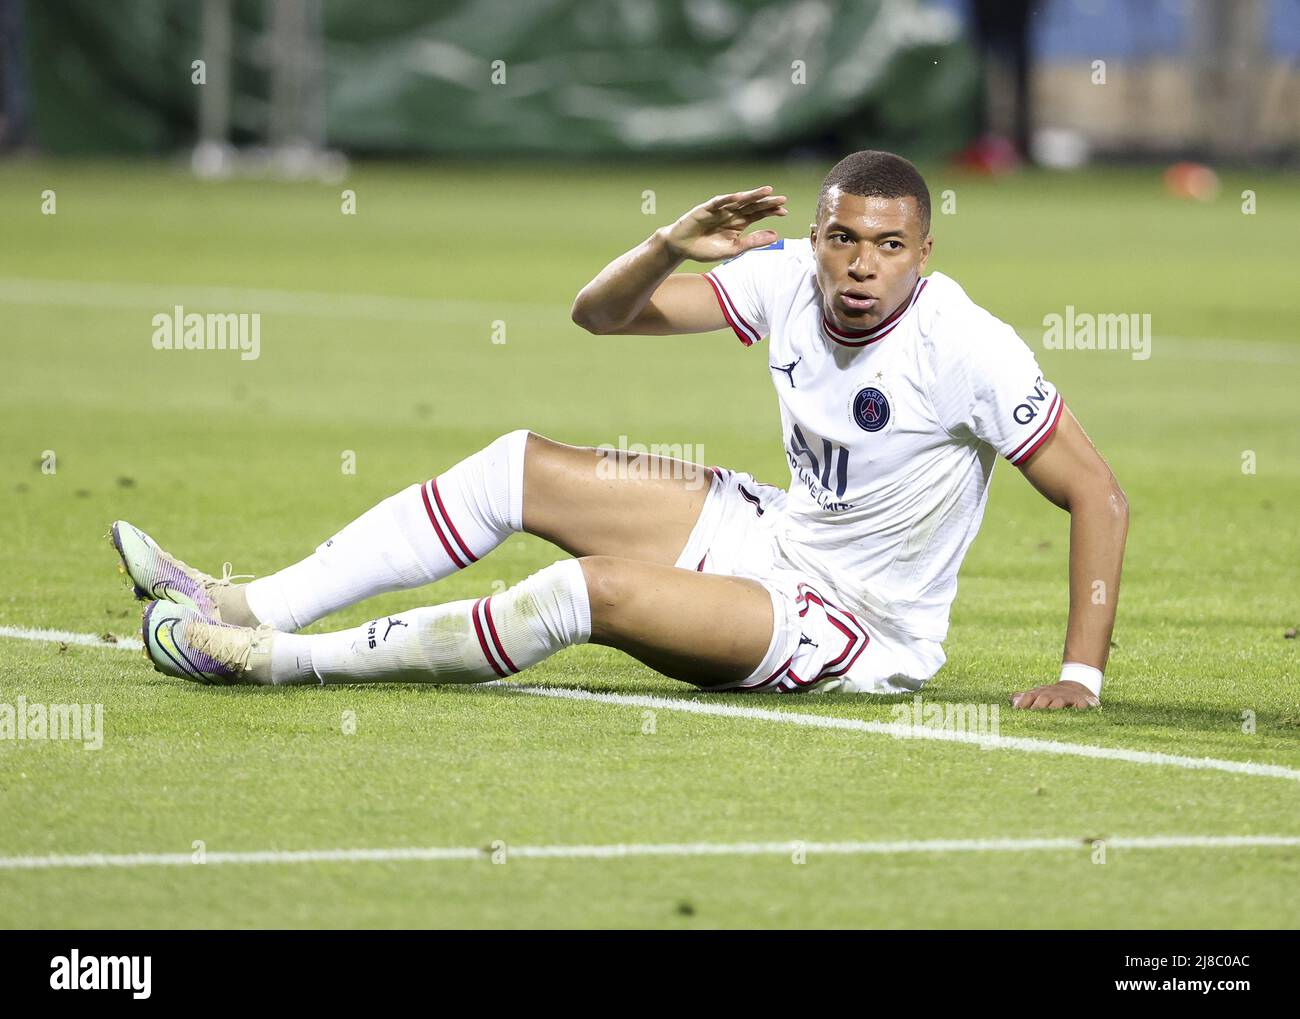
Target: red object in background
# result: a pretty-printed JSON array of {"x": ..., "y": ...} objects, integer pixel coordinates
[
  {"x": 1191, "y": 180},
  {"x": 991, "y": 154}
]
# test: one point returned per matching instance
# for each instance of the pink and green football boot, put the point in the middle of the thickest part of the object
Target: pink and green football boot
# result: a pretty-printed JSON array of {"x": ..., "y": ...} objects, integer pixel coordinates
[
  {"x": 157, "y": 575},
  {"x": 181, "y": 643}
]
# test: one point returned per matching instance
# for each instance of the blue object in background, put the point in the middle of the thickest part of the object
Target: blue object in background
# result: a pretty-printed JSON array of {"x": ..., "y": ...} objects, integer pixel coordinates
[{"x": 1133, "y": 29}]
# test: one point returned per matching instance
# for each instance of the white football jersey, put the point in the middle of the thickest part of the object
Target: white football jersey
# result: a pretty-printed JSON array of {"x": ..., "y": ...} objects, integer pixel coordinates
[{"x": 891, "y": 434}]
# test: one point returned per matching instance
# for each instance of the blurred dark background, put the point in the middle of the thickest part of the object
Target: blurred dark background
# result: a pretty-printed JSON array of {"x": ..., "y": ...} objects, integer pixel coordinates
[{"x": 298, "y": 85}]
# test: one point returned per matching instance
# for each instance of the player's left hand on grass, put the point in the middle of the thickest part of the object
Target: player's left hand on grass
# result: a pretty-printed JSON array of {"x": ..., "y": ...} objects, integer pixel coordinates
[{"x": 1056, "y": 695}]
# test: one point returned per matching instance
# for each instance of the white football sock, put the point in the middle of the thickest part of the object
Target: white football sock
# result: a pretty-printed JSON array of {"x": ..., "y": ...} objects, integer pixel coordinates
[
  {"x": 415, "y": 537},
  {"x": 461, "y": 642}
]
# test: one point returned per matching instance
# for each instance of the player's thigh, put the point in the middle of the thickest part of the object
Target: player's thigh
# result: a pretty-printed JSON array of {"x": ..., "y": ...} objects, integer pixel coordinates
[
  {"x": 603, "y": 502},
  {"x": 702, "y": 628}
]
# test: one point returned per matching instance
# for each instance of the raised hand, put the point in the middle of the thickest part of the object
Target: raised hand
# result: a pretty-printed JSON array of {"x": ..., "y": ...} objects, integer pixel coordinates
[{"x": 716, "y": 229}]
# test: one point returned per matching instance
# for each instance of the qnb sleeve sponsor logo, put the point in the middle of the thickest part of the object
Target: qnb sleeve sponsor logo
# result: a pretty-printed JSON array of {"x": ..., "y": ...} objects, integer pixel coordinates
[
  {"x": 1033, "y": 404},
  {"x": 75, "y": 972}
]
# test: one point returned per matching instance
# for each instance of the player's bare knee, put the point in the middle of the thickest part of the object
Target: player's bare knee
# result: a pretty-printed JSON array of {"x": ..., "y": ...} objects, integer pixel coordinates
[
  {"x": 539, "y": 455},
  {"x": 538, "y": 461},
  {"x": 606, "y": 578},
  {"x": 534, "y": 444}
]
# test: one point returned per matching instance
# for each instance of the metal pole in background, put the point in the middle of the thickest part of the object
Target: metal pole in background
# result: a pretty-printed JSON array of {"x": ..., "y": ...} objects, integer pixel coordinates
[
  {"x": 212, "y": 156},
  {"x": 296, "y": 124},
  {"x": 1228, "y": 55}
]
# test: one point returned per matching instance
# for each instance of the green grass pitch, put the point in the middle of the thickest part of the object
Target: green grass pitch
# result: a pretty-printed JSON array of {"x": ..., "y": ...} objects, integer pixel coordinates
[{"x": 223, "y": 459}]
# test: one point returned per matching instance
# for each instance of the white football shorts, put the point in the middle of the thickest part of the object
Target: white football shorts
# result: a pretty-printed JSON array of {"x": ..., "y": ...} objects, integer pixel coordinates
[{"x": 817, "y": 644}]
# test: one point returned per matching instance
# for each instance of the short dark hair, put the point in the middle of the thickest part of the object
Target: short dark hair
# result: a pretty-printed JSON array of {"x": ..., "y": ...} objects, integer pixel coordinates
[{"x": 874, "y": 174}]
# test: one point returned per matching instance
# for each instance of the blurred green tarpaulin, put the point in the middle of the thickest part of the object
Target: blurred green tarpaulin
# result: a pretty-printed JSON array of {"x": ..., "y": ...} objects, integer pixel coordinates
[{"x": 483, "y": 77}]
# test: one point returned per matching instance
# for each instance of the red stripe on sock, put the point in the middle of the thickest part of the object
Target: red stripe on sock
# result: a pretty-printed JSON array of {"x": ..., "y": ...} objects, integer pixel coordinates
[
  {"x": 447, "y": 517},
  {"x": 487, "y": 652},
  {"x": 437, "y": 529},
  {"x": 492, "y": 628}
]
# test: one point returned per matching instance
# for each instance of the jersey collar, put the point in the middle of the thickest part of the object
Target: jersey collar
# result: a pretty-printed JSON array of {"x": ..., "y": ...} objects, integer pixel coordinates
[{"x": 861, "y": 338}]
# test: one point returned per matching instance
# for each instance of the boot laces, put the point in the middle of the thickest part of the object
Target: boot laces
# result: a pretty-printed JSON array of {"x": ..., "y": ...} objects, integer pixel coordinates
[
  {"x": 232, "y": 646},
  {"x": 227, "y": 576}
]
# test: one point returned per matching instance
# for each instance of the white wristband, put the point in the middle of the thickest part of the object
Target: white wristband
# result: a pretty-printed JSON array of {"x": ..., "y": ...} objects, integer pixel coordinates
[{"x": 1084, "y": 675}]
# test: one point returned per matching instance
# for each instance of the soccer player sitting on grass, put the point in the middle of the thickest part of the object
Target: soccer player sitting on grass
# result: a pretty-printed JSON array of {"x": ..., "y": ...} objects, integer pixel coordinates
[{"x": 897, "y": 394}]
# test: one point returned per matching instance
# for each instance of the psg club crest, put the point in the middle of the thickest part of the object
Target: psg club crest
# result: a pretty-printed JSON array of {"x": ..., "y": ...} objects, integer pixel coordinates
[{"x": 871, "y": 409}]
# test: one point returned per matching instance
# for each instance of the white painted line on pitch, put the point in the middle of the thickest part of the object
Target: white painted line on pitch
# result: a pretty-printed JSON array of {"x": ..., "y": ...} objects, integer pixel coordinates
[
  {"x": 616, "y": 851},
  {"x": 1198, "y": 348},
  {"x": 68, "y": 637},
  {"x": 894, "y": 729},
  {"x": 901, "y": 731},
  {"x": 316, "y": 304}
]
